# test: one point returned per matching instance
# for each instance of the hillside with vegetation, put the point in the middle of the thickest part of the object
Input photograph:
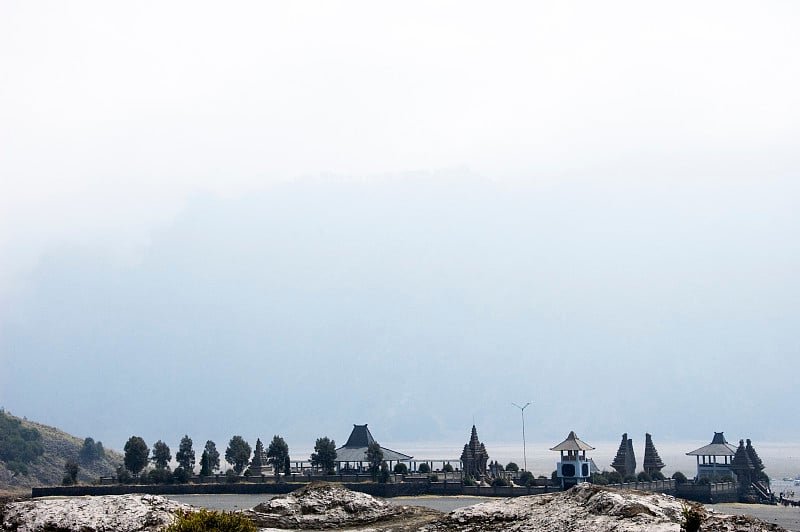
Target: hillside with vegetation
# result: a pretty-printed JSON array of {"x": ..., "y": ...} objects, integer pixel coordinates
[{"x": 32, "y": 454}]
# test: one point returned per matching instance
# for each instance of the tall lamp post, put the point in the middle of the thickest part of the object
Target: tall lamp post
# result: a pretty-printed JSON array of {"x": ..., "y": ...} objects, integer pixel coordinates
[{"x": 524, "y": 453}]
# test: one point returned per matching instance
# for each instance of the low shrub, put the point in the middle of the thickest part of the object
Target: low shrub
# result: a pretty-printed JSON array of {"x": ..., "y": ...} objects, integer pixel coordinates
[
  {"x": 679, "y": 477},
  {"x": 526, "y": 479},
  {"x": 180, "y": 475},
  {"x": 211, "y": 521},
  {"x": 424, "y": 468},
  {"x": 692, "y": 517}
]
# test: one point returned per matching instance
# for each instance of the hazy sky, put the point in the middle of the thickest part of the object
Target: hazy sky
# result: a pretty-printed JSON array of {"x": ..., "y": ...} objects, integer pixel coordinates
[{"x": 288, "y": 217}]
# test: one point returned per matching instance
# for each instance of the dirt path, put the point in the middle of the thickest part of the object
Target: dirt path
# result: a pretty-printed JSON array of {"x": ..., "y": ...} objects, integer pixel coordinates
[{"x": 787, "y": 517}]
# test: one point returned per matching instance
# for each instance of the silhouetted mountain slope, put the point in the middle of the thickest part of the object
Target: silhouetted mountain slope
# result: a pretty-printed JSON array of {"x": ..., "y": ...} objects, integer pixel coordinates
[{"x": 56, "y": 448}]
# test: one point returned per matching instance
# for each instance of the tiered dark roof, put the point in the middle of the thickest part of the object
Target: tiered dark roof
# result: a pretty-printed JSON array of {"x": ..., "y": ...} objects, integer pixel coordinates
[
  {"x": 652, "y": 462},
  {"x": 355, "y": 450},
  {"x": 753, "y": 455},
  {"x": 625, "y": 460},
  {"x": 474, "y": 456},
  {"x": 741, "y": 461}
]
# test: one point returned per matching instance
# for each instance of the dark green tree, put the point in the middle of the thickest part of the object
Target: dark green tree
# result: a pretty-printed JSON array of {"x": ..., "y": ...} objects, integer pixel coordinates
[
  {"x": 526, "y": 478},
  {"x": 447, "y": 468},
  {"x": 123, "y": 475},
  {"x": 277, "y": 453},
  {"x": 70, "y": 473},
  {"x": 383, "y": 477},
  {"x": 258, "y": 456},
  {"x": 181, "y": 475},
  {"x": 238, "y": 454},
  {"x": 136, "y": 455},
  {"x": 512, "y": 467},
  {"x": 400, "y": 468},
  {"x": 424, "y": 468},
  {"x": 374, "y": 458},
  {"x": 324, "y": 454},
  {"x": 205, "y": 464},
  {"x": 679, "y": 477},
  {"x": 19, "y": 445},
  {"x": 212, "y": 456},
  {"x": 91, "y": 451},
  {"x": 185, "y": 454},
  {"x": 161, "y": 455}
]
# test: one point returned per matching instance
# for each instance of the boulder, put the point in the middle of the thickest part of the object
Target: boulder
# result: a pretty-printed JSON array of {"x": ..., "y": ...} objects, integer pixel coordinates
[
  {"x": 120, "y": 513},
  {"x": 589, "y": 507},
  {"x": 329, "y": 506}
]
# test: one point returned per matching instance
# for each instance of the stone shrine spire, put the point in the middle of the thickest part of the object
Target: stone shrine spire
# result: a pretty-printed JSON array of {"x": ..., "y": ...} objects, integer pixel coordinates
[
  {"x": 753, "y": 456},
  {"x": 259, "y": 464},
  {"x": 625, "y": 461},
  {"x": 652, "y": 462},
  {"x": 474, "y": 457}
]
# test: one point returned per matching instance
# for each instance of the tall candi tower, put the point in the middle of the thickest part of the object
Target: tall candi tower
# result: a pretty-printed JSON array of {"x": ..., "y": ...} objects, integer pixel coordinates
[{"x": 652, "y": 462}]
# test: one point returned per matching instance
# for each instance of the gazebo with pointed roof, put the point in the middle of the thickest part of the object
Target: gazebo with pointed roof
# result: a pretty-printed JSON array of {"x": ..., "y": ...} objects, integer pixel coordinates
[
  {"x": 353, "y": 454},
  {"x": 708, "y": 457},
  {"x": 574, "y": 468}
]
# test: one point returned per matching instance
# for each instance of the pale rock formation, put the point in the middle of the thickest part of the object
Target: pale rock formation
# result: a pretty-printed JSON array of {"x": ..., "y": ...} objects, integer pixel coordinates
[
  {"x": 119, "y": 513},
  {"x": 329, "y": 506},
  {"x": 587, "y": 507}
]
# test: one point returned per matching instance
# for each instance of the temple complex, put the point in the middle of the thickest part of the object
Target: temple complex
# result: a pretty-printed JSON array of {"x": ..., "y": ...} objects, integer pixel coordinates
[
  {"x": 574, "y": 468},
  {"x": 625, "y": 460},
  {"x": 474, "y": 457},
  {"x": 652, "y": 462}
]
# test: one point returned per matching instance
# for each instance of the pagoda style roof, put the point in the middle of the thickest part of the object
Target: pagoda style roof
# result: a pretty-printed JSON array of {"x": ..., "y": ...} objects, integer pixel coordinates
[
  {"x": 753, "y": 455},
  {"x": 718, "y": 447},
  {"x": 355, "y": 450},
  {"x": 741, "y": 461},
  {"x": 360, "y": 437},
  {"x": 651, "y": 458},
  {"x": 572, "y": 443},
  {"x": 625, "y": 460}
]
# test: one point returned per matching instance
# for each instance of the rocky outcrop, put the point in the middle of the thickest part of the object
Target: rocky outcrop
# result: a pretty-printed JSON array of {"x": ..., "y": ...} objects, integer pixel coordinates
[
  {"x": 329, "y": 506},
  {"x": 120, "y": 513},
  {"x": 588, "y": 507}
]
